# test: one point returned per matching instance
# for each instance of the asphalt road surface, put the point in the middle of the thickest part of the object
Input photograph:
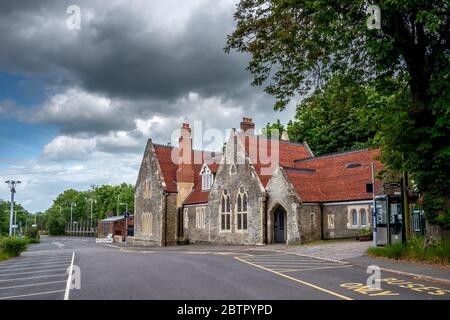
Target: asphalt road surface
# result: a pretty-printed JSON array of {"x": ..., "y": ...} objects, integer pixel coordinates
[{"x": 190, "y": 272}]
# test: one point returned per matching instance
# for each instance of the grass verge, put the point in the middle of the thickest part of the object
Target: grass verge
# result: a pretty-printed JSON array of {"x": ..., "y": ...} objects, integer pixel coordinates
[{"x": 438, "y": 253}]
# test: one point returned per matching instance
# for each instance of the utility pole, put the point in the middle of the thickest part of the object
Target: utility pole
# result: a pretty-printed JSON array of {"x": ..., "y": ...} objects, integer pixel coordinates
[
  {"x": 12, "y": 187},
  {"x": 405, "y": 204},
  {"x": 374, "y": 215}
]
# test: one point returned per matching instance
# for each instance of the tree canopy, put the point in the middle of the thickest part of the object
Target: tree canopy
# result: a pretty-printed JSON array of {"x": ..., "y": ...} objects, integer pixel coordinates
[
  {"x": 105, "y": 199},
  {"x": 299, "y": 46}
]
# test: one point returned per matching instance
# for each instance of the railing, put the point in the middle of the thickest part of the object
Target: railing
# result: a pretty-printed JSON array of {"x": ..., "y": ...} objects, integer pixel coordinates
[{"x": 81, "y": 229}]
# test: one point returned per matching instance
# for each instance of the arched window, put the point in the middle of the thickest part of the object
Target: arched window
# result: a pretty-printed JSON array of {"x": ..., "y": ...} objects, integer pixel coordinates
[
  {"x": 242, "y": 205},
  {"x": 207, "y": 178},
  {"x": 363, "y": 217},
  {"x": 225, "y": 211},
  {"x": 354, "y": 215},
  {"x": 147, "y": 223}
]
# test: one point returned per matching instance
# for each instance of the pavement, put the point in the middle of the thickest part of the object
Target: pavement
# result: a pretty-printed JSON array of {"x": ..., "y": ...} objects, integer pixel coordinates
[{"x": 201, "y": 273}]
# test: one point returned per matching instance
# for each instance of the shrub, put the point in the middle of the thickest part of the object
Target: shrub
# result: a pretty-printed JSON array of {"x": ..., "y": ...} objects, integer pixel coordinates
[
  {"x": 13, "y": 246},
  {"x": 33, "y": 235},
  {"x": 365, "y": 232},
  {"x": 416, "y": 250}
]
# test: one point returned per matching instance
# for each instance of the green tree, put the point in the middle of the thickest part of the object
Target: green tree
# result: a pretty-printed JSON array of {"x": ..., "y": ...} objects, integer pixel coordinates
[
  {"x": 277, "y": 128},
  {"x": 301, "y": 44},
  {"x": 340, "y": 116}
]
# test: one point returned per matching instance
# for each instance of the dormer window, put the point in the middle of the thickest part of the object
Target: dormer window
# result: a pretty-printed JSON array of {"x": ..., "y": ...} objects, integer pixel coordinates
[{"x": 207, "y": 178}]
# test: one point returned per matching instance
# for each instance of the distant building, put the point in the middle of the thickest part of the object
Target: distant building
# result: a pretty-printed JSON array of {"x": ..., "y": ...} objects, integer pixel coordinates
[
  {"x": 117, "y": 226},
  {"x": 237, "y": 198}
]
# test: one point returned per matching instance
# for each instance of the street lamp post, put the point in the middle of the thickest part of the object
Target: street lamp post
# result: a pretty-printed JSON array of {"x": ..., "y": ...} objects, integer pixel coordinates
[
  {"x": 118, "y": 204},
  {"x": 71, "y": 214},
  {"x": 126, "y": 218},
  {"x": 92, "y": 201},
  {"x": 12, "y": 187},
  {"x": 374, "y": 215}
]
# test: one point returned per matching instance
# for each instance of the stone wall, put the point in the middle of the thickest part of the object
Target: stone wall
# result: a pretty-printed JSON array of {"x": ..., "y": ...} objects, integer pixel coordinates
[
  {"x": 236, "y": 171},
  {"x": 194, "y": 232},
  {"x": 149, "y": 200},
  {"x": 341, "y": 215}
]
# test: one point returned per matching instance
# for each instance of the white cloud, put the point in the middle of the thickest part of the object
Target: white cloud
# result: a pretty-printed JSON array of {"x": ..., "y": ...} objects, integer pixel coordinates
[{"x": 68, "y": 148}]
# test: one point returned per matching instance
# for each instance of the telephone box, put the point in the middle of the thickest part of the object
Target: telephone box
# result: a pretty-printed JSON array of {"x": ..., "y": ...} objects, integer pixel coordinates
[{"x": 390, "y": 217}]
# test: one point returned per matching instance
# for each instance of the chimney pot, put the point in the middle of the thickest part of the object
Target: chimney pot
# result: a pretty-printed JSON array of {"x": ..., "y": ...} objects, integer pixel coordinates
[{"x": 247, "y": 126}]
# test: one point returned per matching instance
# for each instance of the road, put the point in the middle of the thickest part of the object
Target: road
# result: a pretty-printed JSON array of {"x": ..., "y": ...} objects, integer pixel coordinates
[{"x": 195, "y": 273}]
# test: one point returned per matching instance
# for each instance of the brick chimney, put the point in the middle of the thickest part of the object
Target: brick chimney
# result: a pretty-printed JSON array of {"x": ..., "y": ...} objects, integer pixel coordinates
[
  {"x": 247, "y": 126},
  {"x": 185, "y": 172}
]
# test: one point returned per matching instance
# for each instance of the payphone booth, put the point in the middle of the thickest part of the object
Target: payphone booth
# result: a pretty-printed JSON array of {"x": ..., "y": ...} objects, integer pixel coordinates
[{"x": 389, "y": 215}]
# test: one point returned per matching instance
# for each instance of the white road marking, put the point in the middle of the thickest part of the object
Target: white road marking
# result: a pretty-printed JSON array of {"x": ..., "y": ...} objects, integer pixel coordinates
[
  {"x": 37, "y": 277},
  {"x": 69, "y": 279},
  {"x": 33, "y": 284},
  {"x": 38, "y": 267},
  {"x": 14, "y": 274},
  {"x": 59, "y": 244},
  {"x": 31, "y": 294},
  {"x": 24, "y": 264}
]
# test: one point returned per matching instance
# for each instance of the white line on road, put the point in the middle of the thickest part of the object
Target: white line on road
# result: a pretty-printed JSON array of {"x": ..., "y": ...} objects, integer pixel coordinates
[
  {"x": 14, "y": 274},
  {"x": 33, "y": 284},
  {"x": 37, "y": 277},
  {"x": 31, "y": 294},
  {"x": 69, "y": 279},
  {"x": 62, "y": 264},
  {"x": 31, "y": 263},
  {"x": 59, "y": 244}
]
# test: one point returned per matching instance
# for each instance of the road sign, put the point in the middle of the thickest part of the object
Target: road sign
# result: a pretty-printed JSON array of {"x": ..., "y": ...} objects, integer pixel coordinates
[
  {"x": 126, "y": 215},
  {"x": 391, "y": 185},
  {"x": 34, "y": 225}
]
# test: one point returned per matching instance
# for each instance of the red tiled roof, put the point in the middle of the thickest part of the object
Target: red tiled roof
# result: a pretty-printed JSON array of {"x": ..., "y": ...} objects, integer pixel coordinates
[
  {"x": 169, "y": 168},
  {"x": 197, "y": 195},
  {"x": 332, "y": 181},
  {"x": 288, "y": 153}
]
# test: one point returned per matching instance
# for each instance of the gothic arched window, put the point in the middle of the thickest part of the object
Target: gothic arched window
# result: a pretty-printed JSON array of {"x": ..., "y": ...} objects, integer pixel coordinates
[
  {"x": 242, "y": 205},
  {"x": 225, "y": 211}
]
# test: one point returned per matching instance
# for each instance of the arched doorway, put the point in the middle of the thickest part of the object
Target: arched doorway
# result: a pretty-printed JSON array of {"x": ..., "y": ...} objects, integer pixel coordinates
[{"x": 279, "y": 225}]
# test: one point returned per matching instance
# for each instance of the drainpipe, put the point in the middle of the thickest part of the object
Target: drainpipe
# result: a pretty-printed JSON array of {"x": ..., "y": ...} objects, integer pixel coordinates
[
  {"x": 264, "y": 222},
  {"x": 321, "y": 221},
  {"x": 165, "y": 219}
]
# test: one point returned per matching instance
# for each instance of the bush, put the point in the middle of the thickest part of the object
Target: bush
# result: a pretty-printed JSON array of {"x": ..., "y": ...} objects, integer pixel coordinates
[
  {"x": 416, "y": 250},
  {"x": 13, "y": 246},
  {"x": 33, "y": 235}
]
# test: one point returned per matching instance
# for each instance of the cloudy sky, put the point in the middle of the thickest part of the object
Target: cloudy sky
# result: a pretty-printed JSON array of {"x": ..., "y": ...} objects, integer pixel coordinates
[{"x": 77, "y": 106}]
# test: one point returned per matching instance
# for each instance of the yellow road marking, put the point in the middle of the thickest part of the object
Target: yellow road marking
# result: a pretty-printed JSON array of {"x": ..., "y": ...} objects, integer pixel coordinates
[
  {"x": 297, "y": 280},
  {"x": 310, "y": 269}
]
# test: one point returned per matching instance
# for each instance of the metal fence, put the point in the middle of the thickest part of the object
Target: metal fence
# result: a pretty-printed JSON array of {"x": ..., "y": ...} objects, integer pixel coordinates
[{"x": 81, "y": 229}]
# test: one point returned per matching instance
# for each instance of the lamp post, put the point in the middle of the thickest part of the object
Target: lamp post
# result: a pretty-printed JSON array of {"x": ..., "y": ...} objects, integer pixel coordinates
[
  {"x": 92, "y": 201},
  {"x": 12, "y": 187},
  {"x": 71, "y": 214},
  {"x": 126, "y": 218},
  {"x": 374, "y": 214},
  {"x": 118, "y": 204}
]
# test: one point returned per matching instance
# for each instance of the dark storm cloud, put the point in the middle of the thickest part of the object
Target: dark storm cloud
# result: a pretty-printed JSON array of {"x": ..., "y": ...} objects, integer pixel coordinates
[{"x": 117, "y": 53}]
